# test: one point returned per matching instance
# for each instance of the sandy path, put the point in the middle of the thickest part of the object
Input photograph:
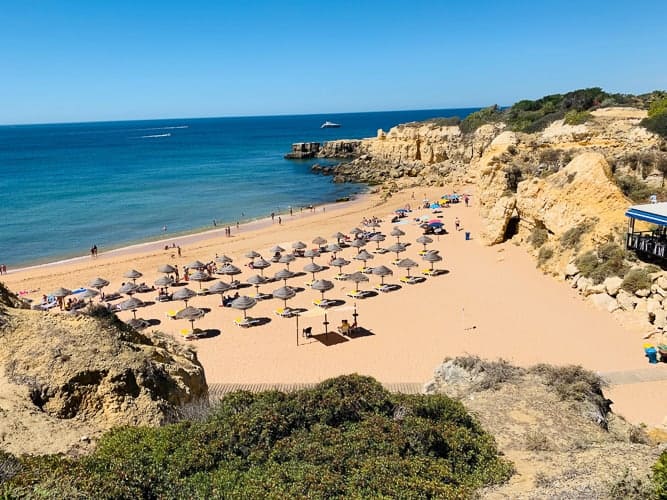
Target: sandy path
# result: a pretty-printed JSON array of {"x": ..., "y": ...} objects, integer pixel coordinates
[{"x": 493, "y": 303}]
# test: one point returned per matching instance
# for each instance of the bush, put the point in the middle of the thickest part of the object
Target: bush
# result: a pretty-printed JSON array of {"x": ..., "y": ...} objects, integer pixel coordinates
[
  {"x": 656, "y": 124},
  {"x": 475, "y": 120},
  {"x": 634, "y": 189},
  {"x": 494, "y": 373},
  {"x": 636, "y": 279},
  {"x": 345, "y": 438},
  {"x": 544, "y": 255},
  {"x": 536, "y": 441},
  {"x": 577, "y": 117},
  {"x": 538, "y": 236},
  {"x": 660, "y": 476},
  {"x": 657, "y": 107},
  {"x": 609, "y": 261},
  {"x": 572, "y": 237}
]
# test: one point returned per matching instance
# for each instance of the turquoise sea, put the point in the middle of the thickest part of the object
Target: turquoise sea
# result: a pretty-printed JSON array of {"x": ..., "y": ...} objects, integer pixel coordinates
[{"x": 66, "y": 187}]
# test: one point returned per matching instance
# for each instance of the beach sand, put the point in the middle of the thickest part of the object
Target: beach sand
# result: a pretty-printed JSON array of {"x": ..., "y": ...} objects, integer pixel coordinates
[{"x": 493, "y": 303}]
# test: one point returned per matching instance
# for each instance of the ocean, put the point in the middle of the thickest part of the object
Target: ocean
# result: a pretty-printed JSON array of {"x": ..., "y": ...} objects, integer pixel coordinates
[{"x": 66, "y": 187}]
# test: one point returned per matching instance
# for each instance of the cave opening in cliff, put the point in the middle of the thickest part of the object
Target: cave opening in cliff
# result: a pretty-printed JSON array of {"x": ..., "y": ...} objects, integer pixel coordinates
[{"x": 512, "y": 228}]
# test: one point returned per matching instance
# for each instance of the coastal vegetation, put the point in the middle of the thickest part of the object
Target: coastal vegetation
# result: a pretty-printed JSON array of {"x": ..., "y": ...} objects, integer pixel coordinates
[
  {"x": 347, "y": 437},
  {"x": 572, "y": 107}
]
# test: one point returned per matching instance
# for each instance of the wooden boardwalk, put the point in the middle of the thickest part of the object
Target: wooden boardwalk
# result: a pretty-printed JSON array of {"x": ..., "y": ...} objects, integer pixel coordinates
[
  {"x": 217, "y": 391},
  {"x": 652, "y": 373}
]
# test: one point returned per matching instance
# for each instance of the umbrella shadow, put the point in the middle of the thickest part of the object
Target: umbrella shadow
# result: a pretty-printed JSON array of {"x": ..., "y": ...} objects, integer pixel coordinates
[
  {"x": 440, "y": 272},
  {"x": 149, "y": 303},
  {"x": 262, "y": 321},
  {"x": 335, "y": 302},
  {"x": 299, "y": 274},
  {"x": 370, "y": 293},
  {"x": 329, "y": 339},
  {"x": 359, "y": 332},
  {"x": 205, "y": 309},
  {"x": 298, "y": 289},
  {"x": 209, "y": 333},
  {"x": 154, "y": 322}
]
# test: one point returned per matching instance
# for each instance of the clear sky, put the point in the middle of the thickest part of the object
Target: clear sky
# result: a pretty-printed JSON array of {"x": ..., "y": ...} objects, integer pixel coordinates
[{"x": 83, "y": 60}]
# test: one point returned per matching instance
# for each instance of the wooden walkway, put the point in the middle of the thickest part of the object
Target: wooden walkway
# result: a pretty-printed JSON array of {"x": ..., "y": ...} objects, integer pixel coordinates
[
  {"x": 652, "y": 373},
  {"x": 217, "y": 391}
]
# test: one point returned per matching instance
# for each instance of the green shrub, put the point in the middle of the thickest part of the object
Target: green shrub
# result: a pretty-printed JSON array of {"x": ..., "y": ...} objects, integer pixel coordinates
[
  {"x": 538, "y": 236},
  {"x": 345, "y": 438},
  {"x": 493, "y": 373},
  {"x": 660, "y": 476},
  {"x": 575, "y": 117},
  {"x": 634, "y": 189},
  {"x": 572, "y": 237},
  {"x": 629, "y": 487},
  {"x": 609, "y": 261},
  {"x": 657, "y": 107},
  {"x": 475, "y": 120},
  {"x": 636, "y": 279},
  {"x": 656, "y": 124},
  {"x": 544, "y": 255}
]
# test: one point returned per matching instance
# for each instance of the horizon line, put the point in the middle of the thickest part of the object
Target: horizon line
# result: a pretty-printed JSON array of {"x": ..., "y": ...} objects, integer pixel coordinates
[{"x": 20, "y": 124}]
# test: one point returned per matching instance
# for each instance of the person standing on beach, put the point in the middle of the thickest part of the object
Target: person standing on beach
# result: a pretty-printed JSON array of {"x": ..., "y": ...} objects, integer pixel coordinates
[
  {"x": 273, "y": 216},
  {"x": 280, "y": 221},
  {"x": 290, "y": 211},
  {"x": 178, "y": 249},
  {"x": 457, "y": 224},
  {"x": 1, "y": 267},
  {"x": 466, "y": 199}
]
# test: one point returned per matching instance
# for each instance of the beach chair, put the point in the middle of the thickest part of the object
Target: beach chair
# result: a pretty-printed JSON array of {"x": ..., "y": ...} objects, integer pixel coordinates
[
  {"x": 341, "y": 276},
  {"x": 285, "y": 312},
  {"x": 246, "y": 322},
  {"x": 384, "y": 288},
  {"x": 429, "y": 272},
  {"x": 323, "y": 303},
  {"x": 307, "y": 332},
  {"x": 360, "y": 294},
  {"x": 171, "y": 314},
  {"x": 203, "y": 291},
  {"x": 187, "y": 334},
  {"x": 411, "y": 280}
]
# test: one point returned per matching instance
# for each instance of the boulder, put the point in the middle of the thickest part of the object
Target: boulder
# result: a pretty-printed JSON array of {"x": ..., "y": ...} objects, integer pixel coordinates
[
  {"x": 613, "y": 285},
  {"x": 652, "y": 306},
  {"x": 660, "y": 320},
  {"x": 643, "y": 293},
  {"x": 584, "y": 283},
  {"x": 593, "y": 289},
  {"x": 604, "y": 301},
  {"x": 626, "y": 301},
  {"x": 661, "y": 282},
  {"x": 571, "y": 269}
]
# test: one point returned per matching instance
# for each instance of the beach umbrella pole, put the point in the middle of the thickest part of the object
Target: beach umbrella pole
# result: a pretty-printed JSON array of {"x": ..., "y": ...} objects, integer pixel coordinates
[
  {"x": 297, "y": 326},
  {"x": 326, "y": 326}
]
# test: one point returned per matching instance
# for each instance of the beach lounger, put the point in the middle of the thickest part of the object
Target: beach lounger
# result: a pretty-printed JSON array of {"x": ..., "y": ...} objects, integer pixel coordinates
[
  {"x": 384, "y": 288},
  {"x": 341, "y": 276},
  {"x": 381, "y": 251},
  {"x": 323, "y": 303},
  {"x": 171, "y": 314},
  {"x": 203, "y": 291},
  {"x": 263, "y": 296},
  {"x": 361, "y": 294},
  {"x": 285, "y": 312},
  {"x": 429, "y": 272},
  {"x": 366, "y": 270},
  {"x": 411, "y": 280},
  {"x": 163, "y": 297},
  {"x": 246, "y": 322}
]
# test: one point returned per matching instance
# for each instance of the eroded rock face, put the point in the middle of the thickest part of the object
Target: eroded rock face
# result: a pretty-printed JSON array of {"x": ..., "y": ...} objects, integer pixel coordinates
[{"x": 98, "y": 370}]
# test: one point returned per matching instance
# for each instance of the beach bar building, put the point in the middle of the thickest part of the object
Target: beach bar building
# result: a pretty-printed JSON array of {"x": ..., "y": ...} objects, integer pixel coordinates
[{"x": 651, "y": 243}]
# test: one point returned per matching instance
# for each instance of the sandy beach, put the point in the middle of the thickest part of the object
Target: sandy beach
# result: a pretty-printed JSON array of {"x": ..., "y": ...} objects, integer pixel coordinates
[{"x": 492, "y": 302}]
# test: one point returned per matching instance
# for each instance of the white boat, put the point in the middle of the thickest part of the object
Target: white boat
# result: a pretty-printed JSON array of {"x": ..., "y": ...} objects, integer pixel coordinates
[{"x": 328, "y": 124}]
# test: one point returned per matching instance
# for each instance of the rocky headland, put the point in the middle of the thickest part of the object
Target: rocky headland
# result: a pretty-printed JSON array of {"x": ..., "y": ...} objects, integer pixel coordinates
[{"x": 560, "y": 191}]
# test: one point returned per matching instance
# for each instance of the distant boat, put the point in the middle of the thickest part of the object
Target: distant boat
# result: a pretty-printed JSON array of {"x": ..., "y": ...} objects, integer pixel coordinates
[{"x": 329, "y": 124}]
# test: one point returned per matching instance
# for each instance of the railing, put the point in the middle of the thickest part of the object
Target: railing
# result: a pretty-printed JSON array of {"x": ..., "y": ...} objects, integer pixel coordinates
[{"x": 647, "y": 243}]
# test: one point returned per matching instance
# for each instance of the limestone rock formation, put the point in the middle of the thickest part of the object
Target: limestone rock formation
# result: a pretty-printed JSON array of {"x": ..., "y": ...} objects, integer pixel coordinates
[{"x": 70, "y": 371}]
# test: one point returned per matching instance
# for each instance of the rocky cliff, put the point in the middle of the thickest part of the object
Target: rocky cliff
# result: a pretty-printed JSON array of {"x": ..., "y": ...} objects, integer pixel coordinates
[{"x": 64, "y": 377}]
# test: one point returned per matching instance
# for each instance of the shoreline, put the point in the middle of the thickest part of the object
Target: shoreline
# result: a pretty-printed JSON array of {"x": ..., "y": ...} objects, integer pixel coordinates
[{"x": 196, "y": 236}]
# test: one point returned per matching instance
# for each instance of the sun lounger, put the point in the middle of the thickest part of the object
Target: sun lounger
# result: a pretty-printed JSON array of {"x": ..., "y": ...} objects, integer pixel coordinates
[
  {"x": 381, "y": 251},
  {"x": 111, "y": 296},
  {"x": 164, "y": 297},
  {"x": 430, "y": 272},
  {"x": 263, "y": 296},
  {"x": 384, "y": 288},
  {"x": 171, "y": 314},
  {"x": 411, "y": 280},
  {"x": 361, "y": 294},
  {"x": 246, "y": 322},
  {"x": 323, "y": 303},
  {"x": 366, "y": 270},
  {"x": 203, "y": 291},
  {"x": 285, "y": 312},
  {"x": 341, "y": 276}
]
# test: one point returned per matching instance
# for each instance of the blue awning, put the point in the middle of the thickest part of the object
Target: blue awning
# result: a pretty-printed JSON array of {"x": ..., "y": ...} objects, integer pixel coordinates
[{"x": 655, "y": 213}]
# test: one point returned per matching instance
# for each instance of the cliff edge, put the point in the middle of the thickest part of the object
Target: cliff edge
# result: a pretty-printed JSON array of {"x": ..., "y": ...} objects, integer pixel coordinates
[{"x": 66, "y": 378}]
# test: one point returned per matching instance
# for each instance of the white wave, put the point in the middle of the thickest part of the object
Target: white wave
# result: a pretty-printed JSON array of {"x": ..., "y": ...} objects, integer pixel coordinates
[
  {"x": 174, "y": 127},
  {"x": 155, "y": 135}
]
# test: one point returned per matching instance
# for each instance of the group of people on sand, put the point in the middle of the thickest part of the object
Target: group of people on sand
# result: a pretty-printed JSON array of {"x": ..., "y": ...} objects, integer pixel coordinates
[{"x": 370, "y": 221}]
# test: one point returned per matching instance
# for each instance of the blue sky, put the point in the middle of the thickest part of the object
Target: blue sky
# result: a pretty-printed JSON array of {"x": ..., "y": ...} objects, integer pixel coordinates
[{"x": 89, "y": 60}]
